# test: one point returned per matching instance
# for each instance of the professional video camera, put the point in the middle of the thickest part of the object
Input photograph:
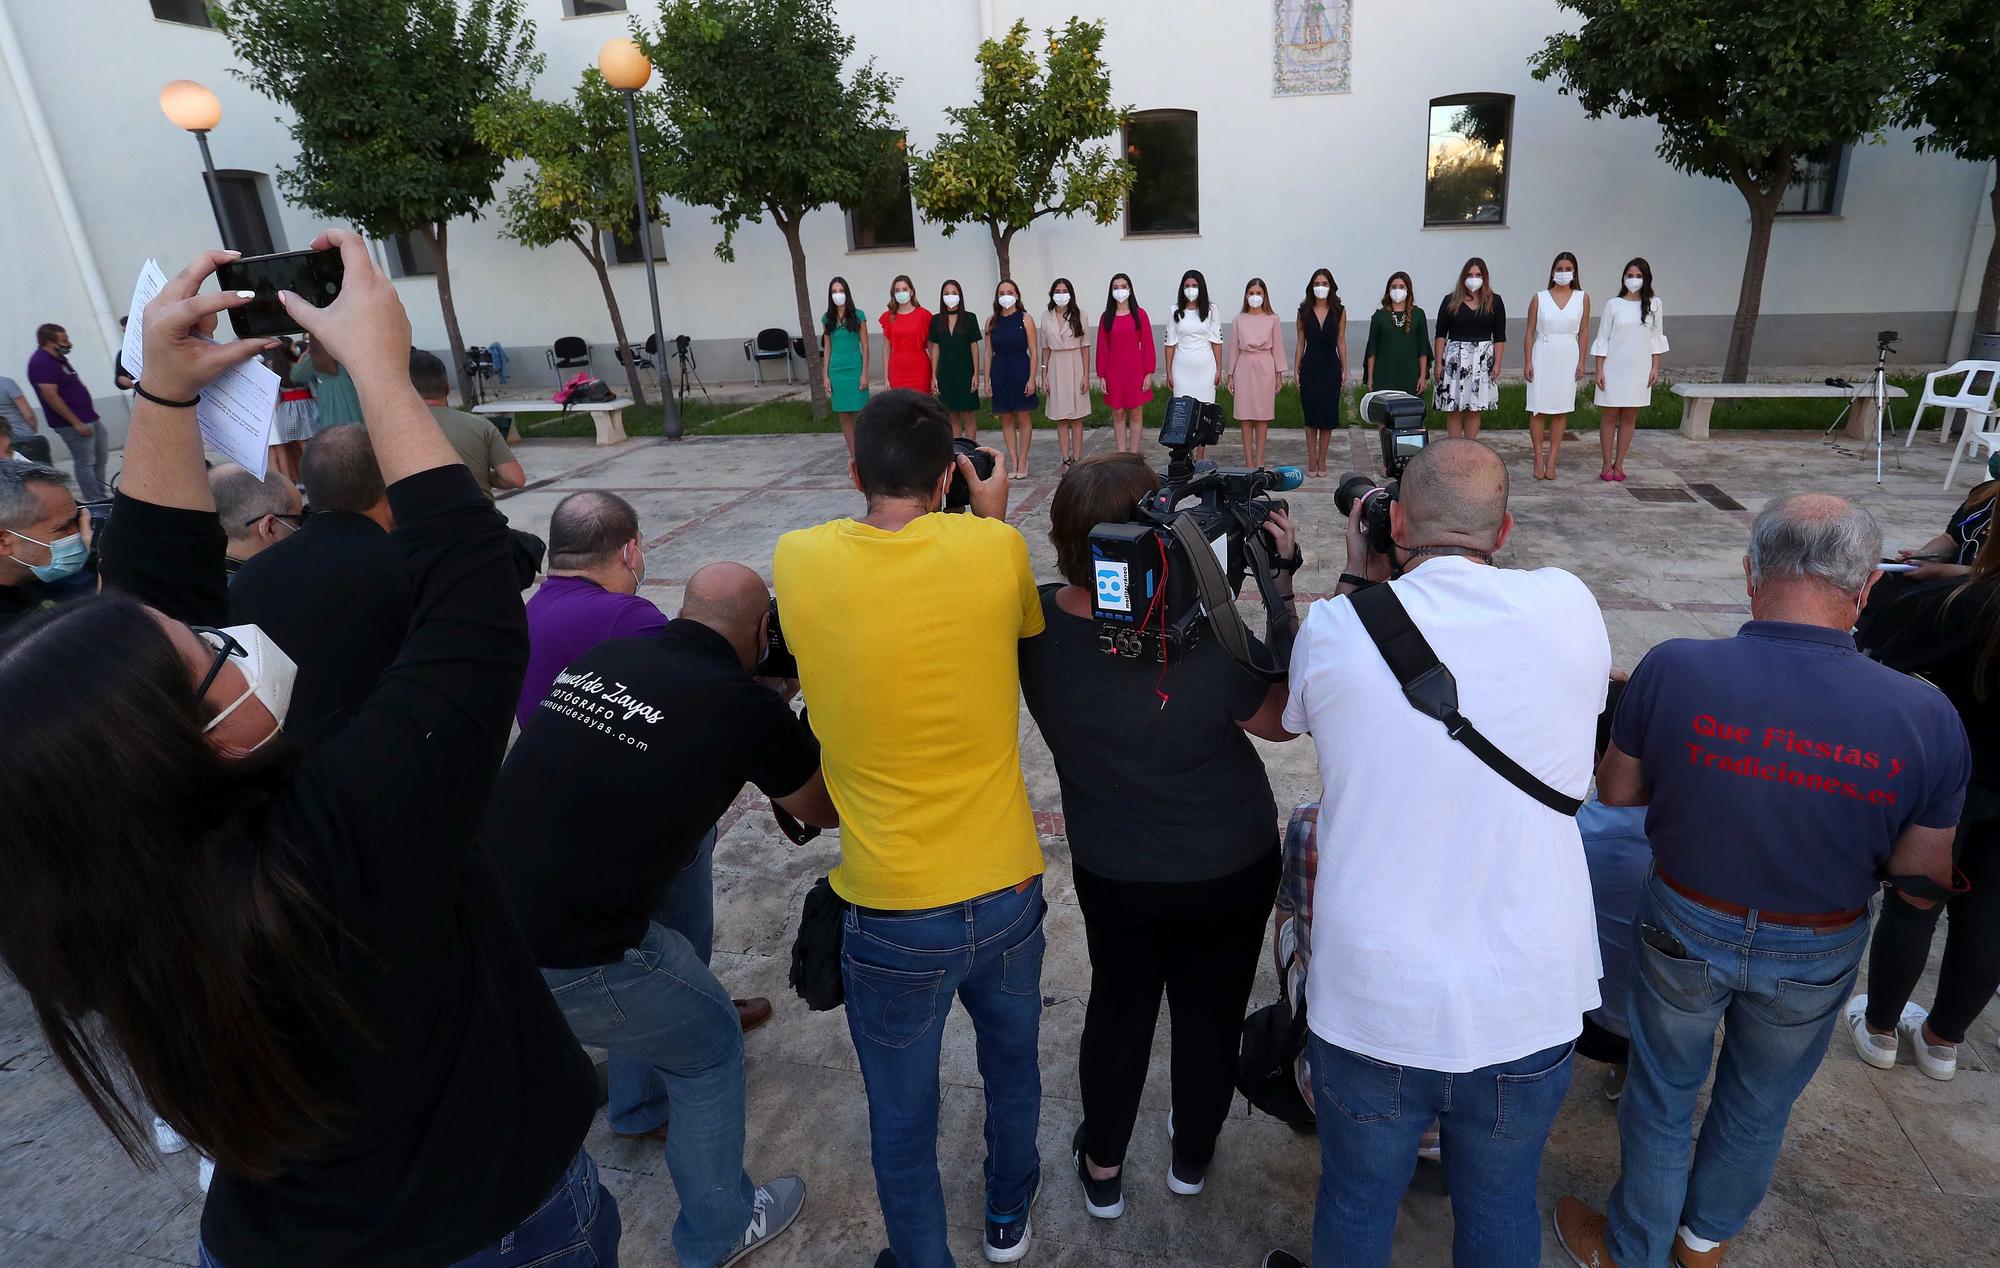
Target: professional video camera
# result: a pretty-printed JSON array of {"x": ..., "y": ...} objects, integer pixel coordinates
[
  {"x": 1401, "y": 418},
  {"x": 1177, "y": 567}
]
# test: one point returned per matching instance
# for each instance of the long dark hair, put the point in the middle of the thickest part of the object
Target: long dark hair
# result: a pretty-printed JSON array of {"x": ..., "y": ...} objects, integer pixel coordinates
[
  {"x": 1075, "y": 317},
  {"x": 1201, "y": 300},
  {"x": 168, "y": 940},
  {"x": 1333, "y": 305},
  {"x": 848, "y": 317},
  {"x": 1131, "y": 301},
  {"x": 999, "y": 312},
  {"x": 946, "y": 311},
  {"x": 1645, "y": 295},
  {"x": 1575, "y": 268},
  {"x": 1409, "y": 292}
]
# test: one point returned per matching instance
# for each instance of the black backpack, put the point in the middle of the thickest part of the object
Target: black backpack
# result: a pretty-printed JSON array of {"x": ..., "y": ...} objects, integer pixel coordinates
[{"x": 1273, "y": 1038}]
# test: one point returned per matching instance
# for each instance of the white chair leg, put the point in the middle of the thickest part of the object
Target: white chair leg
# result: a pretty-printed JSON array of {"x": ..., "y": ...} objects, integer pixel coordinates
[{"x": 1964, "y": 438}]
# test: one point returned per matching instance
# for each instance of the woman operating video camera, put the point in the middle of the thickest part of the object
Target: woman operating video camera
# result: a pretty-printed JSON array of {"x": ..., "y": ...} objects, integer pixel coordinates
[{"x": 1173, "y": 836}]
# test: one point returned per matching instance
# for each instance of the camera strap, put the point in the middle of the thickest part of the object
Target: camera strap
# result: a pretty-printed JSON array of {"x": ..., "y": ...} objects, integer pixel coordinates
[
  {"x": 1431, "y": 689},
  {"x": 1219, "y": 600}
]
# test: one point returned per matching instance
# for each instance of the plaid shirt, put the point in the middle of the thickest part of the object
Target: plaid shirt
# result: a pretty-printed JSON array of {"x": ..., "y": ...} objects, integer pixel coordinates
[{"x": 1291, "y": 942}]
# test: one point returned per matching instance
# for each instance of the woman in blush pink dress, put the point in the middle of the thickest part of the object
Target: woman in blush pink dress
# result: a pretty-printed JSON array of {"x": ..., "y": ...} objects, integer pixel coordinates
[
  {"x": 1256, "y": 368},
  {"x": 1126, "y": 360}
]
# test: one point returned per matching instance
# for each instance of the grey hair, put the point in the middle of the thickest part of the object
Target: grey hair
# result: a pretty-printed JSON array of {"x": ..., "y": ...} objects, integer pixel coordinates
[
  {"x": 1816, "y": 536},
  {"x": 241, "y": 497},
  {"x": 18, "y": 503}
]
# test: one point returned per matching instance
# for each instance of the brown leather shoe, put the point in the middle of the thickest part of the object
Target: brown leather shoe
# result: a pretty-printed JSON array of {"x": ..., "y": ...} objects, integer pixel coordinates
[
  {"x": 1580, "y": 1229},
  {"x": 752, "y": 1013},
  {"x": 657, "y": 1134},
  {"x": 1685, "y": 1258}
]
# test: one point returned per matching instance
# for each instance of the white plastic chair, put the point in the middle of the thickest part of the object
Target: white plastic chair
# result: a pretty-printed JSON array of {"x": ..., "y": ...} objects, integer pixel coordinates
[
  {"x": 1976, "y": 435},
  {"x": 1978, "y": 400}
]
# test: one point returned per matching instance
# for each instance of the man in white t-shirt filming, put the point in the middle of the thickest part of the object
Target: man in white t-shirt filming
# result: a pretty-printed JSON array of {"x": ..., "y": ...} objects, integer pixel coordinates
[{"x": 1454, "y": 942}]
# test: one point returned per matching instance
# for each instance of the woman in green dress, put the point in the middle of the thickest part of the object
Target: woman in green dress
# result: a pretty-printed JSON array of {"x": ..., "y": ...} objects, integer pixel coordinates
[
  {"x": 956, "y": 354},
  {"x": 843, "y": 357},
  {"x": 1398, "y": 357}
]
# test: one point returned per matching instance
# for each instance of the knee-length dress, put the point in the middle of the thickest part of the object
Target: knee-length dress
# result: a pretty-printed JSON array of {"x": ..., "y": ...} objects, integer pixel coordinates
[
  {"x": 955, "y": 334},
  {"x": 908, "y": 338},
  {"x": 1553, "y": 390},
  {"x": 1194, "y": 339},
  {"x": 1320, "y": 371},
  {"x": 1068, "y": 395},
  {"x": 1628, "y": 345},
  {"x": 1465, "y": 382},
  {"x": 1256, "y": 365},
  {"x": 1126, "y": 360},
  {"x": 1399, "y": 349},
  {"x": 1010, "y": 370},
  {"x": 843, "y": 364},
  {"x": 297, "y": 418}
]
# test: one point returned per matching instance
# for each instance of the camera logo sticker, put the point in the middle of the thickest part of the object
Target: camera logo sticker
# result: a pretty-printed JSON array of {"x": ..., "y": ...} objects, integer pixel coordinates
[{"x": 1114, "y": 586}]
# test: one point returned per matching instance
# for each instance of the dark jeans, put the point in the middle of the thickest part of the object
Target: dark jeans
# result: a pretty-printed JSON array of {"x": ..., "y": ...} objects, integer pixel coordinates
[
  {"x": 1969, "y": 973},
  {"x": 1599, "y": 1044},
  {"x": 1197, "y": 942}
]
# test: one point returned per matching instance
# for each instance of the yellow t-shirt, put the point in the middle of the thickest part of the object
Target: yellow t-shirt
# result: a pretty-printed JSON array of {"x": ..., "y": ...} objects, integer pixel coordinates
[{"x": 906, "y": 644}]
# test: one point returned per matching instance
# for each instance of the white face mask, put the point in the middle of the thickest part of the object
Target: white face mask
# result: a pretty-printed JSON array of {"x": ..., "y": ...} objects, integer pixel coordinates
[
  {"x": 269, "y": 674},
  {"x": 1192, "y": 293},
  {"x": 1633, "y": 284},
  {"x": 1062, "y": 299},
  {"x": 1564, "y": 277},
  {"x": 902, "y": 297},
  {"x": 951, "y": 301},
  {"x": 1472, "y": 284},
  {"x": 1006, "y": 301},
  {"x": 1255, "y": 301},
  {"x": 1321, "y": 292},
  {"x": 839, "y": 299},
  {"x": 1119, "y": 294},
  {"x": 1398, "y": 294},
  {"x": 637, "y": 570}
]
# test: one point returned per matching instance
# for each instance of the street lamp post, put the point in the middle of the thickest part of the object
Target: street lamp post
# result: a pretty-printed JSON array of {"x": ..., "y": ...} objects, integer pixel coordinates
[
  {"x": 193, "y": 108},
  {"x": 626, "y": 68}
]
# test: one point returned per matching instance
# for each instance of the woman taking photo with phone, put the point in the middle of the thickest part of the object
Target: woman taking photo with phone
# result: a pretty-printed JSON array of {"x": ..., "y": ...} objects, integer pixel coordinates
[
  {"x": 1471, "y": 345},
  {"x": 1010, "y": 360},
  {"x": 956, "y": 361},
  {"x": 843, "y": 351},
  {"x": 1256, "y": 368},
  {"x": 906, "y": 336},
  {"x": 302, "y": 961},
  {"x": 1319, "y": 360},
  {"x": 1065, "y": 369},
  {"x": 1125, "y": 362},
  {"x": 1558, "y": 323},
  {"x": 1631, "y": 335}
]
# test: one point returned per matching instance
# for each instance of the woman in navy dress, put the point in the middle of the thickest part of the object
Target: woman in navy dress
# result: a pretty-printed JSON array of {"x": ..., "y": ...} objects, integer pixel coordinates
[{"x": 1010, "y": 360}]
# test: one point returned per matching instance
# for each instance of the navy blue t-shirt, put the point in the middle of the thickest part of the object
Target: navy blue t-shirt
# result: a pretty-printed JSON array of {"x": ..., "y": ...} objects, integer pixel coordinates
[{"x": 1783, "y": 764}]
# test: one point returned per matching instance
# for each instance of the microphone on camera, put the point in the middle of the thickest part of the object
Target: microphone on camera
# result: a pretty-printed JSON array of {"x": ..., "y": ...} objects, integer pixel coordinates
[{"x": 1289, "y": 478}]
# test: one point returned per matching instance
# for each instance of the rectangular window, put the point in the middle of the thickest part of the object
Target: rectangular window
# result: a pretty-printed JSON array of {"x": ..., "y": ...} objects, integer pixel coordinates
[
  {"x": 588, "y": 8},
  {"x": 884, "y": 218},
  {"x": 1815, "y": 187},
  {"x": 246, "y": 210},
  {"x": 185, "y": 12},
  {"x": 1166, "y": 197},
  {"x": 410, "y": 255},
  {"x": 622, "y": 246},
  {"x": 1465, "y": 170}
]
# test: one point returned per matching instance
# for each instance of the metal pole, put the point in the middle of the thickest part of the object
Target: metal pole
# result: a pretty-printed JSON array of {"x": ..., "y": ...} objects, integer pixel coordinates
[
  {"x": 214, "y": 190},
  {"x": 670, "y": 410}
]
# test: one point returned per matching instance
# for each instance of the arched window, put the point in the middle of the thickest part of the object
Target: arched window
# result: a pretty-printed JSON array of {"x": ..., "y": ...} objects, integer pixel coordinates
[
  {"x": 1465, "y": 169},
  {"x": 1166, "y": 197}
]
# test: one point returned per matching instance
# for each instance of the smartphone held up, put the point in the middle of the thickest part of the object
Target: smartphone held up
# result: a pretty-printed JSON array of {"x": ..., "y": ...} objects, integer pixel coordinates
[{"x": 314, "y": 276}]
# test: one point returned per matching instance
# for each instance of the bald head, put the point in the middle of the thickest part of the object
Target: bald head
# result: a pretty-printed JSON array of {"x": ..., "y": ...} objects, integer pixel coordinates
[
  {"x": 1455, "y": 493},
  {"x": 731, "y": 600}
]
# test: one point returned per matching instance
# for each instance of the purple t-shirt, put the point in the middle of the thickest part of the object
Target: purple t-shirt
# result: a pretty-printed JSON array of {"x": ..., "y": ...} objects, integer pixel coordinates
[
  {"x": 46, "y": 367},
  {"x": 566, "y": 618}
]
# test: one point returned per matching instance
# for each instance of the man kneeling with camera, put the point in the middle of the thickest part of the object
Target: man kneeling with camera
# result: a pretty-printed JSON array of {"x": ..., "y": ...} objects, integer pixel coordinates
[{"x": 1454, "y": 944}]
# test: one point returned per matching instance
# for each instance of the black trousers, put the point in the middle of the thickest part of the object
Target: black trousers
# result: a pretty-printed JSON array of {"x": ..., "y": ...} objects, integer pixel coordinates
[
  {"x": 1197, "y": 942},
  {"x": 1969, "y": 972}
]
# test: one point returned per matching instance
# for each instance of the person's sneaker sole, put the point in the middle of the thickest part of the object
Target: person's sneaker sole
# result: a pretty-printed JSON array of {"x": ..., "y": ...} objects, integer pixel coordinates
[
  {"x": 1175, "y": 1184},
  {"x": 1911, "y": 1027},
  {"x": 1111, "y": 1211},
  {"x": 771, "y": 1231},
  {"x": 1855, "y": 1015},
  {"x": 1019, "y": 1249}
]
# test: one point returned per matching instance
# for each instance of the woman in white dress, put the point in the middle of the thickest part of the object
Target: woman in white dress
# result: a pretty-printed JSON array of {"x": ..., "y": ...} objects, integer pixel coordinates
[
  {"x": 1631, "y": 335},
  {"x": 1558, "y": 319},
  {"x": 1194, "y": 332}
]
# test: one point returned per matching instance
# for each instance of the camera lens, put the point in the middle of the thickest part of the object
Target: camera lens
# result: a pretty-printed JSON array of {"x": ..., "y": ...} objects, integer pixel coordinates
[{"x": 1352, "y": 487}]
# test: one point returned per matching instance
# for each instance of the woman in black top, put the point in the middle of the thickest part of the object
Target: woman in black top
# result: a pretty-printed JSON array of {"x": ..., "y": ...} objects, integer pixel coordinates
[
  {"x": 1173, "y": 836},
  {"x": 305, "y": 962},
  {"x": 1319, "y": 359},
  {"x": 1471, "y": 337}
]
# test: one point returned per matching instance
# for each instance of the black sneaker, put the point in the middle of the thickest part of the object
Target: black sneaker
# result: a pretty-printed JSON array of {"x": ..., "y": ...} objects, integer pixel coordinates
[
  {"x": 1007, "y": 1236},
  {"x": 1284, "y": 1259},
  {"x": 1183, "y": 1177},
  {"x": 1103, "y": 1198}
]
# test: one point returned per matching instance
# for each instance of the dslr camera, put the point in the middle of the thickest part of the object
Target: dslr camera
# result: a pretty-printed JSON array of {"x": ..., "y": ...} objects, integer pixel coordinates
[
  {"x": 1400, "y": 418},
  {"x": 1173, "y": 572}
]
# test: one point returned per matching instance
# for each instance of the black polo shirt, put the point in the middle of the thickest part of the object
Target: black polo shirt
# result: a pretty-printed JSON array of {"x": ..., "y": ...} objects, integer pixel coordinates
[{"x": 637, "y": 749}]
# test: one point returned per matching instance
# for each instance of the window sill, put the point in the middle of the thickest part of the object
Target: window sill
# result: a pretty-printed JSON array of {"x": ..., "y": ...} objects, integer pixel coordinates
[
  {"x": 188, "y": 26},
  {"x": 890, "y": 250},
  {"x": 1162, "y": 233},
  {"x": 608, "y": 13},
  {"x": 1803, "y": 217},
  {"x": 1455, "y": 225}
]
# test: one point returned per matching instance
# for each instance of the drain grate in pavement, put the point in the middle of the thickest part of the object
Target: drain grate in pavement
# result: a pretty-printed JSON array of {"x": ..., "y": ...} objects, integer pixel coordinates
[
  {"x": 1716, "y": 498},
  {"x": 1661, "y": 494}
]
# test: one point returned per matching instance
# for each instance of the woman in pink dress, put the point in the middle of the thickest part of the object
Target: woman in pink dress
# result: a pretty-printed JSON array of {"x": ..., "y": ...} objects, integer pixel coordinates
[
  {"x": 1256, "y": 368},
  {"x": 906, "y": 333},
  {"x": 1126, "y": 360}
]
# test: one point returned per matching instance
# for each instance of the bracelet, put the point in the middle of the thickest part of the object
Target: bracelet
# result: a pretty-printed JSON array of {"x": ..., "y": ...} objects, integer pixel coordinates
[
  {"x": 139, "y": 389},
  {"x": 1359, "y": 583}
]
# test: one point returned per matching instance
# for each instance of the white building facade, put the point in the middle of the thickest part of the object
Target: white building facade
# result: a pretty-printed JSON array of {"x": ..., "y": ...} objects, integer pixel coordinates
[{"x": 1241, "y": 176}]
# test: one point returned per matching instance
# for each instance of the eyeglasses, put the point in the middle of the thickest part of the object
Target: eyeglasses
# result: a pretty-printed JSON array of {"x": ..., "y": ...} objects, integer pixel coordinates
[
  {"x": 290, "y": 521},
  {"x": 224, "y": 645}
]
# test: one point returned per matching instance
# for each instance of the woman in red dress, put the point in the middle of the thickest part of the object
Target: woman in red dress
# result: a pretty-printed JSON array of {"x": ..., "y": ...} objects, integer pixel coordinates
[
  {"x": 1125, "y": 362},
  {"x": 906, "y": 329}
]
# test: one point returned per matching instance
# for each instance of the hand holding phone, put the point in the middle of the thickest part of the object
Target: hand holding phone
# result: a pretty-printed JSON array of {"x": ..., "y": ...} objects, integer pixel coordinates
[{"x": 316, "y": 276}]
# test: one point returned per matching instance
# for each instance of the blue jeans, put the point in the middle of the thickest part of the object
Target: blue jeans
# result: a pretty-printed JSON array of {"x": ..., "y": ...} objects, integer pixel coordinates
[
  {"x": 638, "y": 1093},
  {"x": 661, "y": 1005},
  {"x": 1778, "y": 990},
  {"x": 1493, "y": 1123},
  {"x": 576, "y": 1226},
  {"x": 901, "y": 970}
]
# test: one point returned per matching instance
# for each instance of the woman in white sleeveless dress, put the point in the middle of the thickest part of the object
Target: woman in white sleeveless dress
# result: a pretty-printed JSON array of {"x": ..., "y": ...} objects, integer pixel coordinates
[
  {"x": 1194, "y": 332},
  {"x": 1557, "y": 319},
  {"x": 1631, "y": 335}
]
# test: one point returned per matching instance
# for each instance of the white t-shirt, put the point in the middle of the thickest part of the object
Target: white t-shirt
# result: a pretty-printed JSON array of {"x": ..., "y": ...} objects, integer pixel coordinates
[{"x": 1452, "y": 918}]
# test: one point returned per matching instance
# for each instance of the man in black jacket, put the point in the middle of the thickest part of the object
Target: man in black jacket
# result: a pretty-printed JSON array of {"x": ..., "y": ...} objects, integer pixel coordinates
[{"x": 335, "y": 595}]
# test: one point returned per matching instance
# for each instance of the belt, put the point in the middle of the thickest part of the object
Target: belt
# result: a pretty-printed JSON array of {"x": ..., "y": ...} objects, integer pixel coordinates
[
  {"x": 1819, "y": 920},
  {"x": 881, "y": 913}
]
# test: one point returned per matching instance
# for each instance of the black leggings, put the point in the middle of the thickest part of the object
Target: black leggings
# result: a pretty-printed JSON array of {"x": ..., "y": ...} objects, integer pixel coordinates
[
  {"x": 1199, "y": 942},
  {"x": 1970, "y": 970}
]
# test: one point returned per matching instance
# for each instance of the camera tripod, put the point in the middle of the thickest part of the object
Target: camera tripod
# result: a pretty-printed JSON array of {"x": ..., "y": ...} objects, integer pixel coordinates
[
  {"x": 1876, "y": 392},
  {"x": 684, "y": 358}
]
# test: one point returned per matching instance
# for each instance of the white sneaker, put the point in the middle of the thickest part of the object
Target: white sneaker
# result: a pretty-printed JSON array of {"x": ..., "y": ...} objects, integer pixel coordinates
[
  {"x": 1940, "y": 1061},
  {"x": 1877, "y": 1050},
  {"x": 165, "y": 1138}
]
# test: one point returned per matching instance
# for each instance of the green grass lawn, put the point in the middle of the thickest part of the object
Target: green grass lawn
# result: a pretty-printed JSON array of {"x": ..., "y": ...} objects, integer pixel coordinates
[{"x": 792, "y": 416}]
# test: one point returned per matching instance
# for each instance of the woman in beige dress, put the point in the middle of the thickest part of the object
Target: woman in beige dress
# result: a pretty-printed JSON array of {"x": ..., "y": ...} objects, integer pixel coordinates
[
  {"x": 1256, "y": 368},
  {"x": 1065, "y": 370}
]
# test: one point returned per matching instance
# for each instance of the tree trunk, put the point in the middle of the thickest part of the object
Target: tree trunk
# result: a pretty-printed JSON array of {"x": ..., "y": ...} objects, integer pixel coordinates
[
  {"x": 1750, "y": 299},
  {"x": 1987, "y": 315},
  {"x": 595, "y": 254},
  {"x": 1003, "y": 248},
  {"x": 789, "y": 226},
  {"x": 435, "y": 235}
]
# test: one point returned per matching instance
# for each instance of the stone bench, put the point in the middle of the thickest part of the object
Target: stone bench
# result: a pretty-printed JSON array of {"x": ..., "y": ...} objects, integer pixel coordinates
[
  {"x": 1698, "y": 401},
  {"x": 608, "y": 416}
]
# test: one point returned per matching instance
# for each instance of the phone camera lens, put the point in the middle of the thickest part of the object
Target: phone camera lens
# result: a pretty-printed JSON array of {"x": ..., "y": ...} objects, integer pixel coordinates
[{"x": 332, "y": 288}]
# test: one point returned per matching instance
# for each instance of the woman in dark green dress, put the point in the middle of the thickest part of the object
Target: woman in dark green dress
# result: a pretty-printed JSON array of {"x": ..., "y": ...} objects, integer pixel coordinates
[
  {"x": 1398, "y": 356},
  {"x": 955, "y": 359}
]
